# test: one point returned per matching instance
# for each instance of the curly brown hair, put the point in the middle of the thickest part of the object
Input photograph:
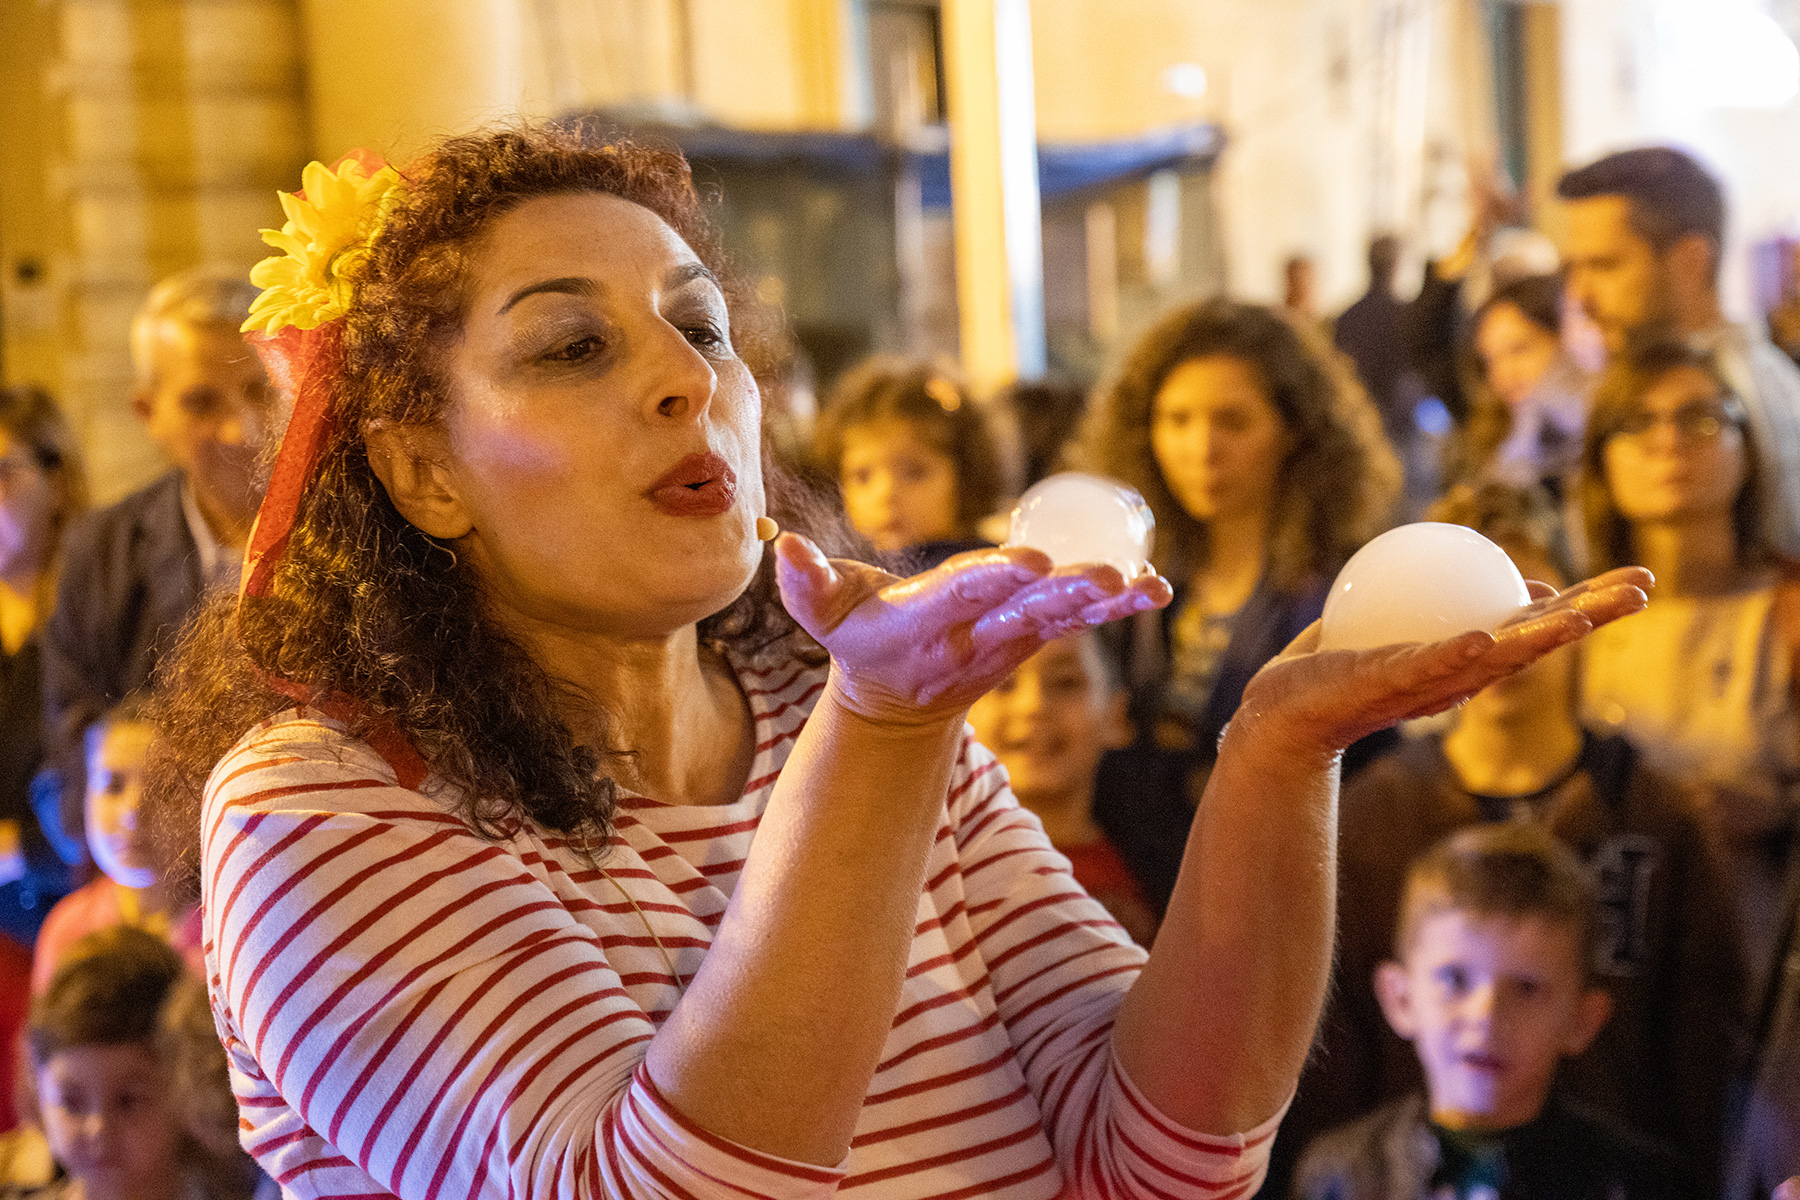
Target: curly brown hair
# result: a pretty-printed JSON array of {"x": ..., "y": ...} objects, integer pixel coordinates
[
  {"x": 941, "y": 414},
  {"x": 1617, "y": 397},
  {"x": 368, "y": 613},
  {"x": 1338, "y": 484}
]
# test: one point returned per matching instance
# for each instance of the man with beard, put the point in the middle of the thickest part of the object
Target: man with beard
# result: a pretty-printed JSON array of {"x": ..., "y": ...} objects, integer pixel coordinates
[{"x": 1645, "y": 231}]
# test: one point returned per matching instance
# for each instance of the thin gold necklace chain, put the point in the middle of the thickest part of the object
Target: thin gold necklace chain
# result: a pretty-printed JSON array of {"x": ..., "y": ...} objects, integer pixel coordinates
[{"x": 648, "y": 928}]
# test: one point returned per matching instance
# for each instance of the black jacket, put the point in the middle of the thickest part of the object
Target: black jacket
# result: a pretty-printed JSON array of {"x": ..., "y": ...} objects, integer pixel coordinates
[
  {"x": 130, "y": 578},
  {"x": 1566, "y": 1154}
]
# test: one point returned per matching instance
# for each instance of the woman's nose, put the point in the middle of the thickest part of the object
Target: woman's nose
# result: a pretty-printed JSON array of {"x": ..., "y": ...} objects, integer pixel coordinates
[{"x": 684, "y": 379}]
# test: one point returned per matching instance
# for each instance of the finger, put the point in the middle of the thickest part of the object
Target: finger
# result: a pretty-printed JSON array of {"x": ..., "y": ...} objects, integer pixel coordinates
[
  {"x": 1539, "y": 590},
  {"x": 966, "y": 586},
  {"x": 1306, "y": 643},
  {"x": 1037, "y": 560},
  {"x": 808, "y": 583},
  {"x": 1611, "y": 603},
  {"x": 1142, "y": 596},
  {"x": 1628, "y": 577},
  {"x": 1050, "y": 607},
  {"x": 1449, "y": 673}
]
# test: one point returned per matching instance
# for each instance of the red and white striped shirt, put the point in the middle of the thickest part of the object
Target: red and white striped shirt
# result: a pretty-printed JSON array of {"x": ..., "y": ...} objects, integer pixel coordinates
[{"x": 410, "y": 1008}]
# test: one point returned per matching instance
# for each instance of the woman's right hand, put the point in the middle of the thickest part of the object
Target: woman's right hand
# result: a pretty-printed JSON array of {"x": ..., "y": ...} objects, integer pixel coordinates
[
  {"x": 920, "y": 650},
  {"x": 1322, "y": 701}
]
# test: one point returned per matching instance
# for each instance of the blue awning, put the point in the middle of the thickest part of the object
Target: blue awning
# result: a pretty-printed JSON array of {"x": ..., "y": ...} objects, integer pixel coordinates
[{"x": 1063, "y": 167}]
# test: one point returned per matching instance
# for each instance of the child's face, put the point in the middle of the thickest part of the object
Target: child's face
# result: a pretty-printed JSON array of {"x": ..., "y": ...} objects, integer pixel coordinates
[
  {"x": 898, "y": 491},
  {"x": 108, "y": 1121},
  {"x": 1051, "y": 720},
  {"x": 1491, "y": 1004},
  {"x": 115, "y": 789}
]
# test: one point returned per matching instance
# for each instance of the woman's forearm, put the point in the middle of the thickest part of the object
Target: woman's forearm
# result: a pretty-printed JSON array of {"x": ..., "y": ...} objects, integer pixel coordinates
[
  {"x": 1217, "y": 1027},
  {"x": 775, "y": 1042}
]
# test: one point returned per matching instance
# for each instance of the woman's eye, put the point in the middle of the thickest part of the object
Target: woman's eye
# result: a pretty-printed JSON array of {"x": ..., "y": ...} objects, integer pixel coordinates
[
  {"x": 578, "y": 350},
  {"x": 707, "y": 337}
]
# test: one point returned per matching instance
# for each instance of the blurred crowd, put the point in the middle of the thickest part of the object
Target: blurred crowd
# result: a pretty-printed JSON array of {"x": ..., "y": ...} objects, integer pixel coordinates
[{"x": 1567, "y": 952}]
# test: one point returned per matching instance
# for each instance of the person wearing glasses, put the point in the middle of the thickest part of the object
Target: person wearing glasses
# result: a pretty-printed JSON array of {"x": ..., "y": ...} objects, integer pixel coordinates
[{"x": 1704, "y": 679}]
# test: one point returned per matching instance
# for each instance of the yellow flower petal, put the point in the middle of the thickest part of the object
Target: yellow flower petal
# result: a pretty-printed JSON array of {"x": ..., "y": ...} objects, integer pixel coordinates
[{"x": 324, "y": 244}]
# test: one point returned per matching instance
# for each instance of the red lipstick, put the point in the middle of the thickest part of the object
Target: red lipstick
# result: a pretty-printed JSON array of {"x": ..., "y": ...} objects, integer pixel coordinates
[{"x": 700, "y": 485}]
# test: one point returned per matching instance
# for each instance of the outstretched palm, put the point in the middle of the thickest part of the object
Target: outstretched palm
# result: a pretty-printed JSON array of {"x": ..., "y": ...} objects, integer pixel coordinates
[{"x": 920, "y": 648}]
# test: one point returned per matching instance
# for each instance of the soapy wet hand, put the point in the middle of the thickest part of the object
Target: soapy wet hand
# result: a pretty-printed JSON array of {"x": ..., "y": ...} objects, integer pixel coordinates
[
  {"x": 925, "y": 648},
  {"x": 1325, "y": 700}
]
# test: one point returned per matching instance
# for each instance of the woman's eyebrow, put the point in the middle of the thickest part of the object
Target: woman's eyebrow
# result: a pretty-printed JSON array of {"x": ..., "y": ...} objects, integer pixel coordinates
[
  {"x": 688, "y": 272},
  {"x": 570, "y": 285}
]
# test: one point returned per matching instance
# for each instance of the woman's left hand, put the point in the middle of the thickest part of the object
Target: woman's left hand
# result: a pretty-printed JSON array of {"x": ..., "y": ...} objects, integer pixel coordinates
[
  {"x": 906, "y": 651},
  {"x": 1325, "y": 700}
]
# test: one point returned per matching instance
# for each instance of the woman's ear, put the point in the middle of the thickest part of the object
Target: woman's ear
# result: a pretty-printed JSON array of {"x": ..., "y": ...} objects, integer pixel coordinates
[{"x": 412, "y": 462}]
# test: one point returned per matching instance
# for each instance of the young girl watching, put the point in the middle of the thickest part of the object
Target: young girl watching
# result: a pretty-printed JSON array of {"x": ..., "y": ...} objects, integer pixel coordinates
[{"x": 918, "y": 461}]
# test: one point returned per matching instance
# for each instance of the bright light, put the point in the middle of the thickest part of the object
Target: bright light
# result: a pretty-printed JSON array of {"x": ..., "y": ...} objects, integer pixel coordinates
[
  {"x": 1727, "y": 53},
  {"x": 1187, "y": 80}
]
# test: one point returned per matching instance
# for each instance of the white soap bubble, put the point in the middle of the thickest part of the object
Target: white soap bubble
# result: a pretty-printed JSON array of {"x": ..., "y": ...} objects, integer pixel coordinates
[
  {"x": 1421, "y": 583},
  {"x": 1080, "y": 519}
]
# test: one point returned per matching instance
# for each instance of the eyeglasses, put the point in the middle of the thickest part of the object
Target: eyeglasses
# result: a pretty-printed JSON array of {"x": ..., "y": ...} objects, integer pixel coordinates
[{"x": 1696, "y": 421}]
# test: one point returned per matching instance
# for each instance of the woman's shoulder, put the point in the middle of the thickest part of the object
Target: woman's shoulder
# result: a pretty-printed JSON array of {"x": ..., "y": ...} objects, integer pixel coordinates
[{"x": 304, "y": 750}]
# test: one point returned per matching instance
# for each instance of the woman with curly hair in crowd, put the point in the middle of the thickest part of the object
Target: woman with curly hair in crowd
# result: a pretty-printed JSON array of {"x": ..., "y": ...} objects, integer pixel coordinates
[
  {"x": 561, "y": 836},
  {"x": 1266, "y": 466}
]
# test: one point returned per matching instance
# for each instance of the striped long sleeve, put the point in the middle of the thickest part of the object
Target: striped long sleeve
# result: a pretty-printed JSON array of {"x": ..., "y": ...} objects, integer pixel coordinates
[{"x": 411, "y": 1009}]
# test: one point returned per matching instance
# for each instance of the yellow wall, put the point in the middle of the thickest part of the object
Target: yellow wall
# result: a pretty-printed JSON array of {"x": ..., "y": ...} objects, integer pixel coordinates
[
  {"x": 1100, "y": 64},
  {"x": 393, "y": 76},
  {"x": 31, "y": 230}
]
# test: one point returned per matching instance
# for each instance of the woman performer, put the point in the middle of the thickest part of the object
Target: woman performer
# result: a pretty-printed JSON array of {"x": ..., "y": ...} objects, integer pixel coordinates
[{"x": 548, "y": 860}]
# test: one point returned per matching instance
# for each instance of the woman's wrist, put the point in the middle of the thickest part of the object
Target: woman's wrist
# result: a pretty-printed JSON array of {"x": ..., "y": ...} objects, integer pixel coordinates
[
  {"x": 1265, "y": 736},
  {"x": 885, "y": 717}
]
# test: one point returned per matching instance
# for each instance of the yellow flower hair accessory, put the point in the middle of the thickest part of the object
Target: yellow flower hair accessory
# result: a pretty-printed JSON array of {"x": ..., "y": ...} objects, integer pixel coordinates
[{"x": 329, "y": 227}]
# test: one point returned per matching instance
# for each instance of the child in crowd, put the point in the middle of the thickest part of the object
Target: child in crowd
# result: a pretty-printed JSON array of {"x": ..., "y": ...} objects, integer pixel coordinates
[
  {"x": 919, "y": 463},
  {"x": 1519, "y": 752},
  {"x": 1491, "y": 984},
  {"x": 112, "y": 1068},
  {"x": 127, "y": 890},
  {"x": 1048, "y": 724}
]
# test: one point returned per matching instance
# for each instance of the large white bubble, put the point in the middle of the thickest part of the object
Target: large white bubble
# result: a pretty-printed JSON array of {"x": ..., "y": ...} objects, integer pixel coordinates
[
  {"x": 1421, "y": 583},
  {"x": 1078, "y": 519}
]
